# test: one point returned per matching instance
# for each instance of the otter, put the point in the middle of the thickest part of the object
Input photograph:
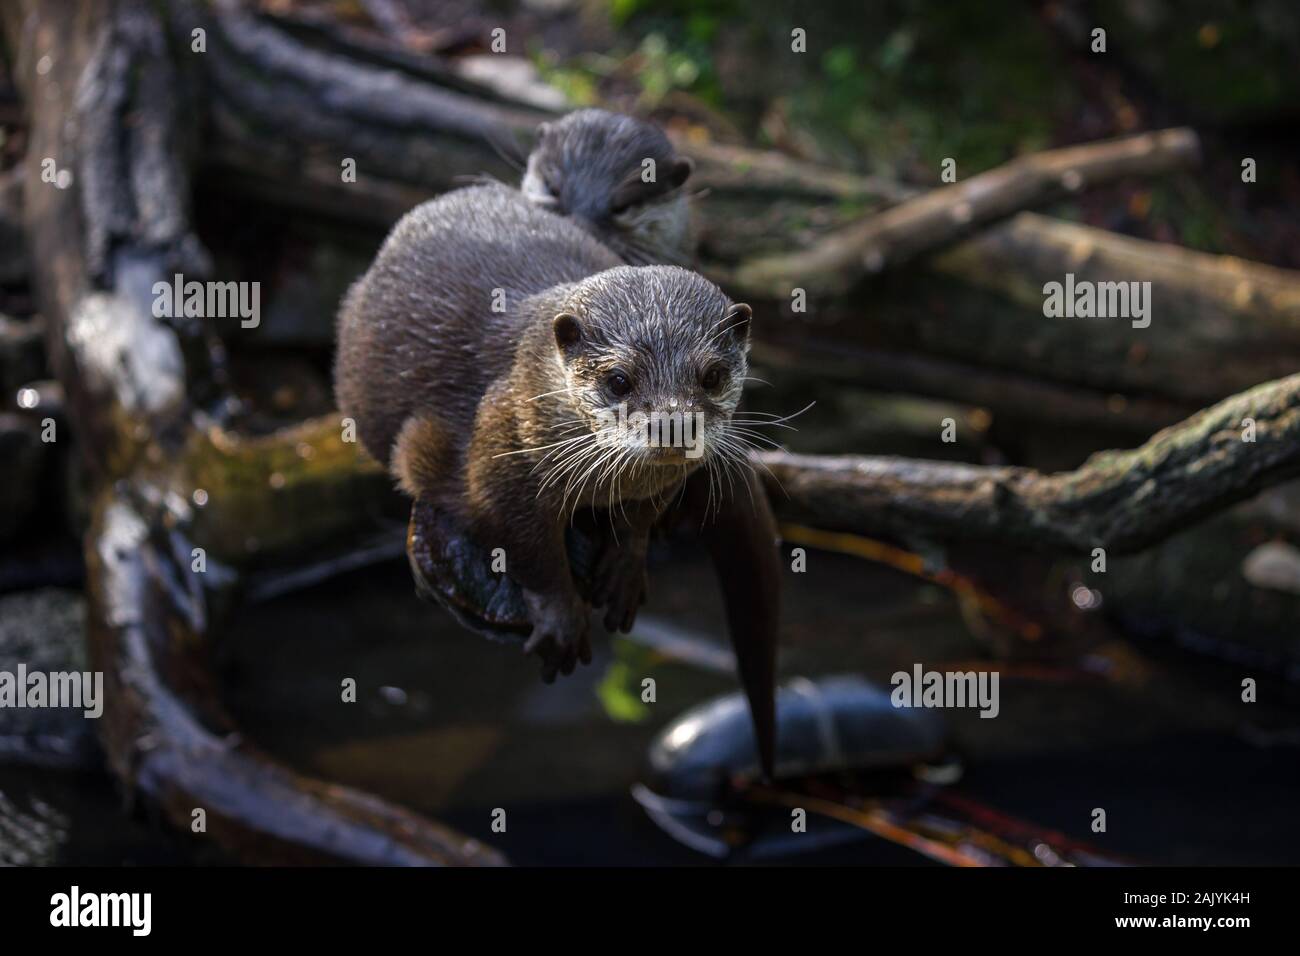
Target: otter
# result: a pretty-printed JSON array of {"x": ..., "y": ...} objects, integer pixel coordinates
[
  {"x": 591, "y": 167},
  {"x": 620, "y": 179},
  {"x": 514, "y": 417}
]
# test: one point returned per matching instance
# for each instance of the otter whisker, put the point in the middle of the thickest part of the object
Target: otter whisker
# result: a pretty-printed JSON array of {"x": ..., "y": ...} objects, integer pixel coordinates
[
  {"x": 750, "y": 462},
  {"x": 745, "y": 421},
  {"x": 561, "y": 455},
  {"x": 581, "y": 467},
  {"x": 775, "y": 419},
  {"x": 730, "y": 458},
  {"x": 558, "y": 391},
  {"x": 721, "y": 332},
  {"x": 525, "y": 451},
  {"x": 595, "y": 472},
  {"x": 573, "y": 459},
  {"x": 734, "y": 460},
  {"x": 572, "y": 462},
  {"x": 756, "y": 436}
]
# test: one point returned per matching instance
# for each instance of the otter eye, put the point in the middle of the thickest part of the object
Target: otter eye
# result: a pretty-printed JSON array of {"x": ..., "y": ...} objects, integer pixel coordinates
[
  {"x": 619, "y": 208},
  {"x": 712, "y": 378},
  {"x": 618, "y": 383}
]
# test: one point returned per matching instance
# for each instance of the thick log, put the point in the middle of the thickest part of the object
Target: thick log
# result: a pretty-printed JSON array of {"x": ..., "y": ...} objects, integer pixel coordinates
[
  {"x": 1118, "y": 500},
  {"x": 169, "y": 740},
  {"x": 977, "y": 305},
  {"x": 109, "y": 114},
  {"x": 285, "y": 101},
  {"x": 135, "y": 384},
  {"x": 1219, "y": 324}
]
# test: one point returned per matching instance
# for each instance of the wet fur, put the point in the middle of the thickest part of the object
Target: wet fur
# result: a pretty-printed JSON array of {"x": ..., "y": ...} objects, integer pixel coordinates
[
  {"x": 451, "y": 395},
  {"x": 588, "y": 167}
]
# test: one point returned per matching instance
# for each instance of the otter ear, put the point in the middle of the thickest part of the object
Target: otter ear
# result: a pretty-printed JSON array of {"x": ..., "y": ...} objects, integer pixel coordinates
[
  {"x": 568, "y": 333},
  {"x": 681, "y": 171},
  {"x": 738, "y": 320}
]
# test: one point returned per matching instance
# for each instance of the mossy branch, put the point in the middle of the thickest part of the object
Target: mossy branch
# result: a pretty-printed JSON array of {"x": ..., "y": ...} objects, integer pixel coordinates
[{"x": 1118, "y": 500}]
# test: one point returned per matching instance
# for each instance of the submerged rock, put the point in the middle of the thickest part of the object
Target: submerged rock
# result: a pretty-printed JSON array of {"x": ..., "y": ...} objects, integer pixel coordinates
[
  {"x": 702, "y": 765},
  {"x": 830, "y": 724}
]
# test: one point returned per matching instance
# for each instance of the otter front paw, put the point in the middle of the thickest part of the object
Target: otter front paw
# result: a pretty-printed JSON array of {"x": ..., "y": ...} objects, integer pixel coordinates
[
  {"x": 619, "y": 585},
  {"x": 559, "y": 636}
]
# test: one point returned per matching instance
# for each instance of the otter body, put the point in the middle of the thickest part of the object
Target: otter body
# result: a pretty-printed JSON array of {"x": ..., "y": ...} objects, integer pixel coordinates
[
  {"x": 418, "y": 331},
  {"x": 493, "y": 357}
]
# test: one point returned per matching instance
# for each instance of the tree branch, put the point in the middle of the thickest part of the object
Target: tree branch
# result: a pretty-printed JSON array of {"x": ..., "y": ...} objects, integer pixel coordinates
[
  {"x": 939, "y": 217},
  {"x": 1118, "y": 500},
  {"x": 110, "y": 114}
]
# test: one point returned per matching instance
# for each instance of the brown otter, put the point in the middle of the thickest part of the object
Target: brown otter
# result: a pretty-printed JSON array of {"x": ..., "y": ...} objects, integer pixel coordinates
[
  {"x": 592, "y": 166},
  {"x": 583, "y": 390}
]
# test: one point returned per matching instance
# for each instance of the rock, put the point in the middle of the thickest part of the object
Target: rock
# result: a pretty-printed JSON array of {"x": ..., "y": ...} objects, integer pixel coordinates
[{"x": 1274, "y": 565}]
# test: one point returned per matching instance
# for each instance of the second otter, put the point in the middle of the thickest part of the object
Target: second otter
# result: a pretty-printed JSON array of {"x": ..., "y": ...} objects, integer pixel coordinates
[
  {"x": 620, "y": 179},
  {"x": 515, "y": 417}
]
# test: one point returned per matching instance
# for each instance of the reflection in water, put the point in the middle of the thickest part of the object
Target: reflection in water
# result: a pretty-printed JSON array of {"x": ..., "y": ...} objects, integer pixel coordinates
[{"x": 454, "y": 726}]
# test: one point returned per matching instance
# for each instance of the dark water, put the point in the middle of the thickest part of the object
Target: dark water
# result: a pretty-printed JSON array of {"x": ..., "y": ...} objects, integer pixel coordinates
[{"x": 454, "y": 726}]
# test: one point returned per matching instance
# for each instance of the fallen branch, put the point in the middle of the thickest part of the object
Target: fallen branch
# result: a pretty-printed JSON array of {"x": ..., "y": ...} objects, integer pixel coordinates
[
  {"x": 1118, "y": 500},
  {"x": 284, "y": 113},
  {"x": 284, "y": 100},
  {"x": 1219, "y": 324},
  {"x": 937, "y": 218},
  {"x": 168, "y": 738},
  {"x": 110, "y": 114}
]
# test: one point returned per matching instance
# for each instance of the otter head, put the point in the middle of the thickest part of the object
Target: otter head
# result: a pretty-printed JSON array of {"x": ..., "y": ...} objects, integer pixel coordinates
[
  {"x": 617, "y": 177},
  {"x": 654, "y": 359}
]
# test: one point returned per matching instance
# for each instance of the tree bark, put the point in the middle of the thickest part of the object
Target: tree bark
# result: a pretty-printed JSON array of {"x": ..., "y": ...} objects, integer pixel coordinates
[
  {"x": 109, "y": 115},
  {"x": 284, "y": 116},
  {"x": 1118, "y": 500},
  {"x": 115, "y": 104}
]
